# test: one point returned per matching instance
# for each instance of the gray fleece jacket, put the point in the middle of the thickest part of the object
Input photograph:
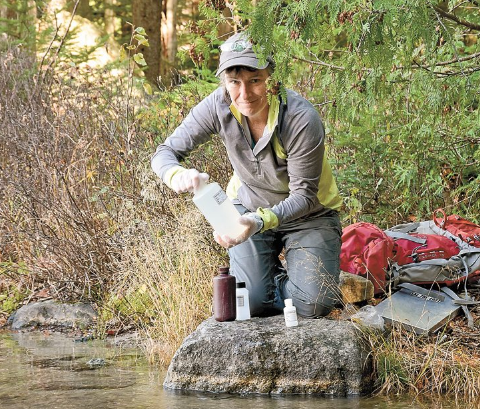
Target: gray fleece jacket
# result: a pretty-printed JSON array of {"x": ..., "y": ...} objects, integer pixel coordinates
[{"x": 286, "y": 172}]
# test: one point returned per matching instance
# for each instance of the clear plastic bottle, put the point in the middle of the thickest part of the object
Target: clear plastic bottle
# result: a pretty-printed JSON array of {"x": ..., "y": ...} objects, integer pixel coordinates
[
  {"x": 243, "y": 303},
  {"x": 290, "y": 312},
  {"x": 224, "y": 296},
  {"x": 219, "y": 211}
]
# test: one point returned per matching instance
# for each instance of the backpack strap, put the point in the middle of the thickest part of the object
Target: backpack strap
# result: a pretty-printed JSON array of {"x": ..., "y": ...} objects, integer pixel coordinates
[
  {"x": 406, "y": 228},
  {"x": 405, "y": 236},
  {"x": 455, "y": 297}
]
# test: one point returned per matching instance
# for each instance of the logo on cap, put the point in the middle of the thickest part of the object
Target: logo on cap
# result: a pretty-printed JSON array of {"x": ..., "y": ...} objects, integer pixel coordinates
[{"x": 237, "y": 46}]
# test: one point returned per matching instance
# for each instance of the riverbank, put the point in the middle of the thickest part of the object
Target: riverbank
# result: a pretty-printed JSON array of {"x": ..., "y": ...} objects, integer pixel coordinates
[
  {"x": 78, "y": 321},
  {"x": 446, "y": 363},
  {"x": 40, "y": 370}
]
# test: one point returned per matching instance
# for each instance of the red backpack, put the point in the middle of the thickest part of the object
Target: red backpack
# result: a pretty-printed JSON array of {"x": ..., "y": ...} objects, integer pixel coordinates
[
  {"x": 466, "y": 230},
  {"x": 394, "y": 255},
  {"x": 366, "y": 251},
  {"x": 414, "y": 247}
]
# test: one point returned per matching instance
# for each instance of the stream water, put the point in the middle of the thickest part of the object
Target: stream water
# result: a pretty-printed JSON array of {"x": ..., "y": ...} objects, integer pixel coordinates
[{"x": 51, "y": 370}]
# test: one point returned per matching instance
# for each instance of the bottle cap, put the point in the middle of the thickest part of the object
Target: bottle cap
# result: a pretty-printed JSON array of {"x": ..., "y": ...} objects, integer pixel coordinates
[
  {"x": 241, "y": 284},
  {"x": 224, "y": 270},
  {"x": 288, "y": 302}
]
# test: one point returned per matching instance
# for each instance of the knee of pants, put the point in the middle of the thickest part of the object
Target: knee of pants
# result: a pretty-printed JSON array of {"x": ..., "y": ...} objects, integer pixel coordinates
[
  {"x": 260, "y": 304},
  {"x": 311, "y": 310}
]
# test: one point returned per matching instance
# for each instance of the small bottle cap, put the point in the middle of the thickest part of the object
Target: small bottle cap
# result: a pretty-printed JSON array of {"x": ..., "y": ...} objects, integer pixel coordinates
[
  {"x": 241, "y": 284},
  {"x": 288, "y": 302},
  {"x": 224, "y": 270}
]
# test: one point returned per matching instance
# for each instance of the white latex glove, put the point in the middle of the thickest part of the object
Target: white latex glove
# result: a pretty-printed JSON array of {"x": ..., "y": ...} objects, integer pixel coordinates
[
  {"x": 188, "y": 181},
  {"x": 253, "y": 223}
]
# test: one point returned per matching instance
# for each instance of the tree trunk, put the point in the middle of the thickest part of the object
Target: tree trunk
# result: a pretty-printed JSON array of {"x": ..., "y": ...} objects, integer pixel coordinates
[
  {"x": 109, "y": 18},
  {"x": 3, "y": 11},
  {"x": 194, "y": 9},
  {"x": 169, "y": 42},
  {"x": 148, "y": 14}
]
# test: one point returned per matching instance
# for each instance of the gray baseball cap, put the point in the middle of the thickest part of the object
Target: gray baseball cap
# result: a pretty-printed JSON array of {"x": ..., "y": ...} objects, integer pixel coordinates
[{"x": 238, "y": 50}]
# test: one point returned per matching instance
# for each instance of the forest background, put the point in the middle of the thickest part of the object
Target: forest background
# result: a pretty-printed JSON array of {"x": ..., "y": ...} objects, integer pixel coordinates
[{"x": 88, "y": 89}]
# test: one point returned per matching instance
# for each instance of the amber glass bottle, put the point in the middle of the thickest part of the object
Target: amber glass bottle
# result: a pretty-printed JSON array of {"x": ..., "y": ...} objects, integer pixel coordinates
[{"x": 224, "y": 295}]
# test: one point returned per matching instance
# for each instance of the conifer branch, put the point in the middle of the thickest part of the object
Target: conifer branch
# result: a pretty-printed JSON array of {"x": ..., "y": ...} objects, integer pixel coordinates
[
  {"x": 469, "y": 70},
  {"x": 453, "y": 73},
  {"x": 458, "y": 20},
  {"x": 454, "y": 60},
  {"x": 319, "y": 62},
  {"x": 441, "y": 63},
  {"x": 416, "y": 65}
]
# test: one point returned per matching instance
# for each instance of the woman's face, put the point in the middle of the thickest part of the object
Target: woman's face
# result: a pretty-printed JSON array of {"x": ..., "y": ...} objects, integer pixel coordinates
[{"x": 248, "y": 91}]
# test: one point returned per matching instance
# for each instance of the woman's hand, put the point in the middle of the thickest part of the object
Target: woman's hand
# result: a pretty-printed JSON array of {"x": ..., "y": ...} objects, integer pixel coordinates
[
  {"x": 188, "y": 180},
  {"x": 253, "y": 224}
]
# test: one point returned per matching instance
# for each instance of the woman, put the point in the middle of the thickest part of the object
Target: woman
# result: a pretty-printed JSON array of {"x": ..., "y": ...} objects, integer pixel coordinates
[{"x": 282, "y": 184}]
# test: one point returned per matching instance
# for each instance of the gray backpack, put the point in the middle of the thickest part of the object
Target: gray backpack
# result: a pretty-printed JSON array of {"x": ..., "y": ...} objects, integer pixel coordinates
[{"x": 463, "y": 267}]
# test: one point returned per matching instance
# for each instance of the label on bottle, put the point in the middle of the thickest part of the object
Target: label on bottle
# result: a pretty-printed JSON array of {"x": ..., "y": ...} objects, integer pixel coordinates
[
  {"x": 220, "y": 197},
  {"x": 240, "y": 301},
  {"x": 291, "y": 316}
]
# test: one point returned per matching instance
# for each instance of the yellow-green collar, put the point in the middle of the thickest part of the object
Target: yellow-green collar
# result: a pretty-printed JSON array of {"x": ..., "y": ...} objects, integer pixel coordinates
[{"x": 273, "y": 111}]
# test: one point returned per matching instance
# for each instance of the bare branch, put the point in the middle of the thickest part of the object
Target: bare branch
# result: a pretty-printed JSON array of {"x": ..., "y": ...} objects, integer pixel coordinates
[
  {"x": 453, "y": 73},
  {"x": 318, "y": 62},
  {"x": 458, "y": 20},
  {"x": 54, "y": 58},
  {"x": 455, "y": 60}
]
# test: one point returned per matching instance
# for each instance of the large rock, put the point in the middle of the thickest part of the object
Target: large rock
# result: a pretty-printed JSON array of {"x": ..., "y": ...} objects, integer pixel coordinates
[
  {"x": 51, "y": 313},
  {"x": 262, "y": 355}
]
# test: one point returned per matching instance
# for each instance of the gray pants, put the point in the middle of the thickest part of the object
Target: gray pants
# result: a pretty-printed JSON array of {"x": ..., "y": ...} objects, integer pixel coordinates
[{"x": 312, "y": 260}]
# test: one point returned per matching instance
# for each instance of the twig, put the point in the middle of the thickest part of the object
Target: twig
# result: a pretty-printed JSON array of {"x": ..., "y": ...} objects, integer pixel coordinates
[
  {"x": 453, "y": 73},
  {"x": 57, "y": 28},
  {"x": 415, "y": 65},
  {"x": 437, "y": 14},
  {"x": 324, "y": 103},
  {"x": 458, "y": 20},
  {"x": 62, "y": 41},
  {"x": 318, "y": 62},
  {"x": 452, "y": 61}
]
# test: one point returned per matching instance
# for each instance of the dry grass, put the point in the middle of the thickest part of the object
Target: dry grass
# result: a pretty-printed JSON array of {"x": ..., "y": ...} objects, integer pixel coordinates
[
  {"x": 82, "y": 212},
  {"x": 167, "y": 286},
  {"x": 436, "y": 365},
  {"x": 65, "y": 171}
]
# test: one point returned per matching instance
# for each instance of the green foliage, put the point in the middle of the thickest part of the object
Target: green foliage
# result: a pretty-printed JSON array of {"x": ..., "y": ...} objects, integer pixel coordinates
[
  {"x": 137, "y": 304},
  {"x": 396, "y": 83},
  {"x": 390, "y": 369},
  {"x": 21, "y": 29},
  {"x": 12, "y": 290},
  {"x": 169, "y": 107}
]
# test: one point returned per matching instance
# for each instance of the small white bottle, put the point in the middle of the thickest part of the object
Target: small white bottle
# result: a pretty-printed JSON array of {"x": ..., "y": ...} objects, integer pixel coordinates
[
  {"x": 219, "y": 211},
  {"x": 243, "y": 304},
  {"x": 290, "y": 312}
]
